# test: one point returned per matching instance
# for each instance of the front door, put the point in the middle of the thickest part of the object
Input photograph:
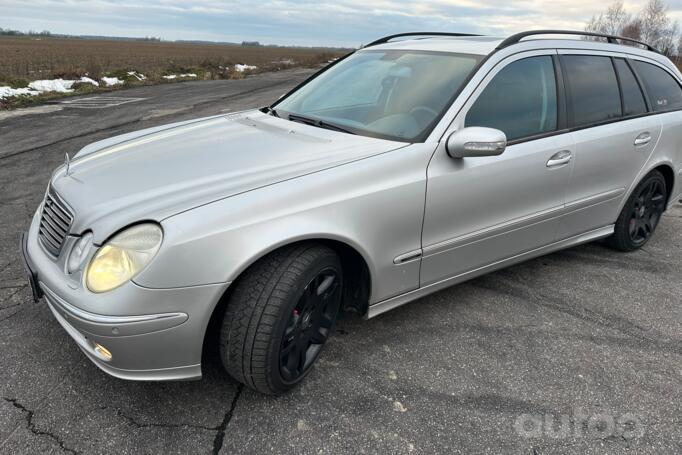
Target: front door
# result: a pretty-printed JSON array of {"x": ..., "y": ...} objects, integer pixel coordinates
[{"x": 486, "y": 209}]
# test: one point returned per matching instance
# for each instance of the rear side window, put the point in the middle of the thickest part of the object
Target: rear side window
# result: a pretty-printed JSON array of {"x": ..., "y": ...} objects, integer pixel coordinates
[
  {"x": 664, "y": 91},
  {"x": 521, "y": 100},
  {"x": 633, "y": 99},
  {"x": 593, "y": 93}
]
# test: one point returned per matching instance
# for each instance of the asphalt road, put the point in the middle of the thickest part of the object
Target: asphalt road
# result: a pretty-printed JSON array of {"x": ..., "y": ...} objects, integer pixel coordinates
[{"x": 577, "y": 352}]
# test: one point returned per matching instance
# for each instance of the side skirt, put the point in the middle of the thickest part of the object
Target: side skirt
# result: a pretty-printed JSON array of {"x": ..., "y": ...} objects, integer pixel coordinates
[{"x": 394, "y": 302}]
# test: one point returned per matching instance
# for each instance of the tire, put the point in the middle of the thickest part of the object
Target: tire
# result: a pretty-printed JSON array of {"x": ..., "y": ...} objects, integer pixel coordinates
[
  {"x": 641, "y": 214},
  {"x": 276, "y": 297}
]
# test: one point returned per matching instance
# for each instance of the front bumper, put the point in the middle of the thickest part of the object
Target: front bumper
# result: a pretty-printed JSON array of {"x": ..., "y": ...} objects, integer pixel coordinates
[
  {"x": 152, "y": 334},
  {"x": 30, "y": 270}
]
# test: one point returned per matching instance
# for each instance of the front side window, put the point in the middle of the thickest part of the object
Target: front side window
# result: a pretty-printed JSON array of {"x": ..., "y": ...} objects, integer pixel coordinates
[
  {"x": 593, "y": 89},
  {"x": 393, "y": 94},
  {"x": 664, "y": 91},
  {"x": 521, "y": 100}
]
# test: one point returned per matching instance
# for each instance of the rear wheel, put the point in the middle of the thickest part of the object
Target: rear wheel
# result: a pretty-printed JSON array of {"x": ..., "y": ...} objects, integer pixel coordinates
[
  {"x": 641, "y": 214},
  {"x": 280, "y": 315}
]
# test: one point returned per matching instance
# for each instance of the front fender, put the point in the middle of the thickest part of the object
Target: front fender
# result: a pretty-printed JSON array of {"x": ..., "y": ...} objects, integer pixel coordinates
[{"x": 380, "y": 218}]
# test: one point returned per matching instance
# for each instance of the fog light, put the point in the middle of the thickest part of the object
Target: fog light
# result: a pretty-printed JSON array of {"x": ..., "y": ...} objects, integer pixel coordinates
[{"x": 103, "y": 352}]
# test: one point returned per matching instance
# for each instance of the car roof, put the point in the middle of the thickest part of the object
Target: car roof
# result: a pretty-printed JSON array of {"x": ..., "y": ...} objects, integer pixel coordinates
[
  {"x": 487, "y": 45},
  {"x": 478, "y": 45}
]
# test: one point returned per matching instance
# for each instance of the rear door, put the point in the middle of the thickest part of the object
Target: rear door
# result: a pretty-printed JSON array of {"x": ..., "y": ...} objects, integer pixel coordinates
[
  {"x": 665, "y": 95},
  {"x": 614, "y": 137}
]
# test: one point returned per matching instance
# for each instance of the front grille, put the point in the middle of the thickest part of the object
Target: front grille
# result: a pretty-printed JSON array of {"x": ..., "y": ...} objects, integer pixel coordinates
[{"x": 55, "y": 223}]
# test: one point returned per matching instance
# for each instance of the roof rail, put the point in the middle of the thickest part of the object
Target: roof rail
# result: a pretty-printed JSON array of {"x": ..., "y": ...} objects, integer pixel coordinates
[
  {"x": 613, "y": 39},
  {"x": 388, "y": 38}
]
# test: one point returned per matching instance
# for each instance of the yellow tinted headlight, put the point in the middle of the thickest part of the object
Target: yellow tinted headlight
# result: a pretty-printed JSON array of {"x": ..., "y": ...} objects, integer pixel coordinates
[{"x": 123, "y": 257}]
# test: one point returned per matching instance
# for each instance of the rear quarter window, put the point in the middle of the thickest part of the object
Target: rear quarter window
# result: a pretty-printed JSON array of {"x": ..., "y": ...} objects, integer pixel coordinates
[
  {"x": 633, "y": 99},
  {"x": 664, "y": 91}
]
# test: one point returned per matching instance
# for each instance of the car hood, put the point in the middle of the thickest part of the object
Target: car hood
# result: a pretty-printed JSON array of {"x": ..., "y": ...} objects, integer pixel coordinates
[{"x": 156, "y": 173}]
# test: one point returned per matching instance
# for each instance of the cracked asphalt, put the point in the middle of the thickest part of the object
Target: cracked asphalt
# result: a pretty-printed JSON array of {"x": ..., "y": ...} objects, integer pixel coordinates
[{"x": 576, "y": 352}]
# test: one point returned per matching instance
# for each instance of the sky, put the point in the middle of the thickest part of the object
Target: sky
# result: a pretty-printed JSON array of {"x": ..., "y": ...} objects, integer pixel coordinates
[{"x": 304, "y": 23}]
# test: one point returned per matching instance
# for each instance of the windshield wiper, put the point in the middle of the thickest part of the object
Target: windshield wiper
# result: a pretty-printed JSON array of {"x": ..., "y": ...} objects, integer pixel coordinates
[
  {"x": 269, "y": 110},
  {"x": 318, "y": 123},
  {"x": 331, "y": 126}
]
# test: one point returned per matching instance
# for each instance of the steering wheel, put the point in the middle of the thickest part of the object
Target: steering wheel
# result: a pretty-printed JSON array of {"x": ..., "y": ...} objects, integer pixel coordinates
[{"x": 423, "y": 114}]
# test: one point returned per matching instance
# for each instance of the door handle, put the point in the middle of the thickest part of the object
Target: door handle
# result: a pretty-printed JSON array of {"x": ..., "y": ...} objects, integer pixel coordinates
[
  {"x": 560, "y": 158},
  {"x": 643, "y": 139}
]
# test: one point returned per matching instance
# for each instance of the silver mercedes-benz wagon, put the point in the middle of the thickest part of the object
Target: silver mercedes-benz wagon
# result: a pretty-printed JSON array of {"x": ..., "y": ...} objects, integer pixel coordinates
[{"x": 415, "y": 163}]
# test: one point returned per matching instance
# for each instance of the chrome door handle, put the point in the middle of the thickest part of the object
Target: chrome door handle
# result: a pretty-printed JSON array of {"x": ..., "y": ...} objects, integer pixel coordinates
[
  {"x": 643, "y": 139},
  {"x": 560, "y": 158}
]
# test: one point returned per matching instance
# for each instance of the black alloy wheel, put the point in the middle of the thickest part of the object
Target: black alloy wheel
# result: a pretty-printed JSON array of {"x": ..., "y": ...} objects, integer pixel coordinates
[
  {"x": 646, "y": 211},
  {"x": 280, "y": 315},
  {"x": 310, "y": 324},
  {"x": 641, "y": 214}
]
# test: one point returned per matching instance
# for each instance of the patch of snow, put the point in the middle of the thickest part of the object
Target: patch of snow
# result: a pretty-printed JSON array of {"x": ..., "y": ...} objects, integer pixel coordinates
[
  {"x": 110, "y": 81},
  {"x": 6, "y": 92},
  {"x": 46, "y": 85},
  {"x": 53, "y": 85},
  {"x": 87, "y": 80},
  {"x": 241, "y": 68},
  {"x": 136, "y": 75},
  {"x": 174, "y": 76}
]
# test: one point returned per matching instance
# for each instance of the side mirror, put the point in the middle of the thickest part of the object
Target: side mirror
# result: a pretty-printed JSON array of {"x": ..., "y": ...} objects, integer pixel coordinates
[{"x": 476, "y": 141}]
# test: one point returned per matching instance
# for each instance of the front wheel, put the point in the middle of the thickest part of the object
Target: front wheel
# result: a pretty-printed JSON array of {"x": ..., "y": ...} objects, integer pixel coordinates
[
  {"x": 641, "y": 214},
  {"x": 280, "y": 315}
]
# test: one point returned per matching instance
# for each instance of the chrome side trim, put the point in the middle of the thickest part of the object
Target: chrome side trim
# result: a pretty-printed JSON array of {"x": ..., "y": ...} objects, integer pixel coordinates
[
  {"x": 394, "y": 302},
  {"x": 507, "y": 226},
  {"x": 110, "y": 320},
  {"x": 594, "y": 199}
]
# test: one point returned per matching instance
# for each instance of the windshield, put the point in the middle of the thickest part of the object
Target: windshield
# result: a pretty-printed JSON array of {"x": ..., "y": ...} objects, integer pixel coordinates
[{"x": 392, "y": 94}]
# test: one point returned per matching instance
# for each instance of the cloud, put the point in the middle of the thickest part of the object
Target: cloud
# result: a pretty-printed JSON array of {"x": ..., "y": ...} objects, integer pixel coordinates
[{"x": 304, "y": 22}]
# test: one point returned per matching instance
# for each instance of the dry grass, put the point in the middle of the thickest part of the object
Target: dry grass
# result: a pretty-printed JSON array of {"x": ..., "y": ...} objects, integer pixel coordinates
[{"x": 29, "y": 58}]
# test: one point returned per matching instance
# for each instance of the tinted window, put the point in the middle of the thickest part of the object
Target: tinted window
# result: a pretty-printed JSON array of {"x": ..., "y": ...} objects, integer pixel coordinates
[
  {"x": 521, "y": 100},
  {"x": 593, "y": 87},
  {"x": 633, "y": 99},
  {"x": 664, "y": 91}
]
